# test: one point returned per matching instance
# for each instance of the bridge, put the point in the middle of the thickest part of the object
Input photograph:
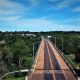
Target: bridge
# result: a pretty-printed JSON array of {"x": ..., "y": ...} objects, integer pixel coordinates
[{"x": 49, "y": 64}]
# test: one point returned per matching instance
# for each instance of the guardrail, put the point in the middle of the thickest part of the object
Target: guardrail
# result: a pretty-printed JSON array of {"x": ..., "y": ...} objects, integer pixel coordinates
[
  {"x": 65, "y": 59},
  {"x": 36, "y": 57},
  {"x": 34, "y": 64},
  {"x": 25, "y": 70}
]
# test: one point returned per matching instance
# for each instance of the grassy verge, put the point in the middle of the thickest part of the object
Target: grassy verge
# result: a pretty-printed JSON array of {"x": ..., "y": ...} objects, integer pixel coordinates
[
  {"x": 71, "y": 60},
  {"x": 21, "y": 78}
]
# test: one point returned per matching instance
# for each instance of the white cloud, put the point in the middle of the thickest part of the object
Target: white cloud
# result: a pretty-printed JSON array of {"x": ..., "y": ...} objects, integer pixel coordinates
[
  {"x": 72, "y": 21},
  {"x": 7, "y": 12},
  {"x": 36, "y": 23},
  {"x": 10, "y": 5},
  {"x": 41, "y": 24},
  {"x": 11, "y": 10},
  {"x": 10, "y": 18},
  {"x": 34, "y": 3},
  {"x": 14, "y": 10},
  {"x": 60, "y": 26},
  {"x": 62, "y": 4},
  {"x": 65, "y": 3},
  {"x": 77, "y": 9}
]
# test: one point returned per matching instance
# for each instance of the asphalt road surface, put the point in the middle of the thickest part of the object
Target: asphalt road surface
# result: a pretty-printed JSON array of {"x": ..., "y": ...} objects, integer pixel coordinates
[{"x": 50, "y": 65}]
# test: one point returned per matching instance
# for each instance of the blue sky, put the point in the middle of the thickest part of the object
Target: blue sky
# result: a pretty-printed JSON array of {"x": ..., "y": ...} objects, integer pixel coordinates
[{"x": 39, "y": 15}]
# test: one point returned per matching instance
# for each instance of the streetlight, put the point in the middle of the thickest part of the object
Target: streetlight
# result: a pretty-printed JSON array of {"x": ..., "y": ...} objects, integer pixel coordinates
[
  {"x": 55, "y": 37},
  {"x": 25, "y": 70},
  {"x": 33, "y": 49},
  {"x": 62, "y": 43}
]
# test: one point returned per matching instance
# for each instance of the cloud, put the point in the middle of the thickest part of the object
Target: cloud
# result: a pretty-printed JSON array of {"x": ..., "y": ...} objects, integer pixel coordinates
[
  {"x": 62, "y": 4},
  {"x": 34, "y": 2},
  {"x": 10, "y": 18},
  {"x": 6, "y": 4},
  {"x": 60, "y": 26},
  {"x": 32, "y": 25},
  {"x": 8, "y": 12},
  {"x": 40, "y": 24},
  {"x": 59, "y": 5},
  {"x": 77, "y": 9},
  {"x": 37, "y": 14},
  {"x": 11, "y": 10},
  {"x": 65, "y": 4},
  {"x": 72, "y": 21},
  {"x": 36, "y": 23}
]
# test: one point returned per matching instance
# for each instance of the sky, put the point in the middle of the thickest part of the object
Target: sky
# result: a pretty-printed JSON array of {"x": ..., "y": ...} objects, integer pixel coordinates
[{"x": 39, "y": 15}]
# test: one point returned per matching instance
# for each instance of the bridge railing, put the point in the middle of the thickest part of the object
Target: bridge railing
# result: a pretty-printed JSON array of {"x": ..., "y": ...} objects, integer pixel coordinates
[
  {"x": 65, "y": 59},
  {"x": 34, "y": 63}
]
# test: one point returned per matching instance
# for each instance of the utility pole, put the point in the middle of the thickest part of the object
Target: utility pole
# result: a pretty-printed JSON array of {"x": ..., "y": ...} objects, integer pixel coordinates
[{"x": 34, "y": 48}]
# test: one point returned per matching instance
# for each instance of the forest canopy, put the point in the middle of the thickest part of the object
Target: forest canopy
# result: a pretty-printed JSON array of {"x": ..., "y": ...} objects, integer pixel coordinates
[{"x": 16, "y": 47}]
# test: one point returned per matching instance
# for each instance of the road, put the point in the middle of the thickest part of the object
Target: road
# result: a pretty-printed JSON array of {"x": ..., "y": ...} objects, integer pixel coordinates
[{"x": 50, "y": 65}]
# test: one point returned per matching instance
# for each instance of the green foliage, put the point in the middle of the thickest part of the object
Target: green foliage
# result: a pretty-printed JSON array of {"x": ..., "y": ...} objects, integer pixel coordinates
[
  {"x": 16, "y": 48},
  {"x": 70, "y": 41},
  {"x": 12, "y": 78},
  {"x": 15, "y": 51}
]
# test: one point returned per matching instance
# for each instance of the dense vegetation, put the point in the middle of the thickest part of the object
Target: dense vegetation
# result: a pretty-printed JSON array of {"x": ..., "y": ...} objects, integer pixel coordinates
[
  {"x": 15, "y": 51},
  {"x": 16, "y": 48}
]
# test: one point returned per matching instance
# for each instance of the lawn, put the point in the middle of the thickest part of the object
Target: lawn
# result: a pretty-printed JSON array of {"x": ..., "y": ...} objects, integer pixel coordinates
[
  {"x": 71, "y": 60},
  {"x": 21, "y": 78}
]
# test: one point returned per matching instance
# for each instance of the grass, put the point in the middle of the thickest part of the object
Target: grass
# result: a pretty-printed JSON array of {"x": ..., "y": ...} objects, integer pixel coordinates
[
  {"x": 71, "y": 60},
  {"x": 21, "y": 78}
]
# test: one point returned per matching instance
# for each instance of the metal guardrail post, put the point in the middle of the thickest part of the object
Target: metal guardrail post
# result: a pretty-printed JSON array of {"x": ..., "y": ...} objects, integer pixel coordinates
[
  {"x": 33, "y": 49},
  {"x": 62, "y": 55},
  {"x": 25, "y": 70}
]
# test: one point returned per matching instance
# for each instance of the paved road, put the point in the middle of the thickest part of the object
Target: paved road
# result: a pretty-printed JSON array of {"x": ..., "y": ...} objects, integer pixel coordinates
[{"x": 50, "y": 65}]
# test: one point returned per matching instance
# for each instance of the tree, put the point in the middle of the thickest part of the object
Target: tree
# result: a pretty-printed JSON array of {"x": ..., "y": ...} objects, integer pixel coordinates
[
  {"x": 20, "y": 50},
  {"x": 77, "y": 53}
]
